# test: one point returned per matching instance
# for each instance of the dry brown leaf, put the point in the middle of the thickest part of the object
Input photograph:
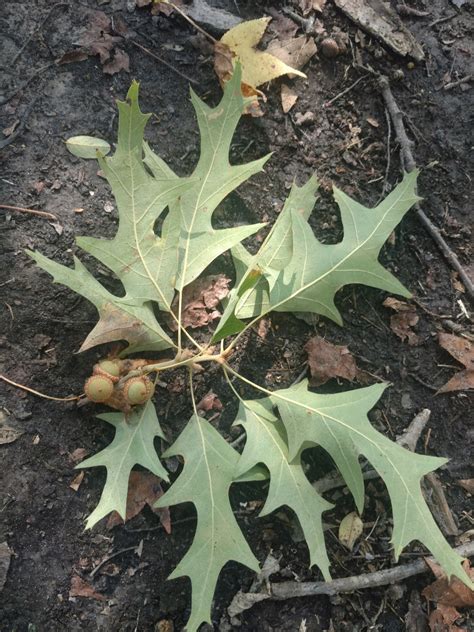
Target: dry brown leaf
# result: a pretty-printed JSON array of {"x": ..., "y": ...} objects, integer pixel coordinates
[
  {"x": 119, "y": 62},
  {"x": 5, "y": 557},
  {"x": 402, "y": 322},
  {"x": 281, "y": 25},
  {"x": 72, "y": 57},
  {"x": 449, "y": 593},
  {"x": 7, "y": 433},
  {"x": 327, "y": 361},
  {"x": 210, "y": 401},
  {"x": 350, "y": 530},
  {"x": 76, "y": 481},
  {"x": 200, "y": 301},
  {"x": 463, "y": 351},
  {"x": 288, "y": 98},
  {"x": 99, "y": 40},
  {"x": 77, "y": 455},
  {"x": 442, "y": 619},
  {"x": 295, "y": 52},
  {"x": 80, "y": 588},
  {"x": 307, "y": 6},
  {"x": 467, "y": 484},
  {"x": 143, "y": 489}
]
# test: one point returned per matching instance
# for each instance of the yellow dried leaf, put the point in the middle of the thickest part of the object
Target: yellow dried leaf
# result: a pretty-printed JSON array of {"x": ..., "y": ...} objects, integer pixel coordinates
[
  {"x": 258, "y": 67},
  {"x": 350, "y": 529}
]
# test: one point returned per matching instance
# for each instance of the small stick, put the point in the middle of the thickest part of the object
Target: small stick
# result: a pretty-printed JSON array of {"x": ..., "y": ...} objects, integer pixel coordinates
[
  {"x": 191, "y": 21},
  {"x": 110, "y": 557},
  {"x": 341, "y": 94},
  {"x": 31, "y": 211},
  {"x": 31, "y": 390},
  {"x": 408, "y": 163},
  {"x": 164, "y": 62},
  {"x": 404, "y": 9},
  {"x": 459, "y": 82},
  {"x": 445, "y": 19},
  {"x": 289, "y": 590}
]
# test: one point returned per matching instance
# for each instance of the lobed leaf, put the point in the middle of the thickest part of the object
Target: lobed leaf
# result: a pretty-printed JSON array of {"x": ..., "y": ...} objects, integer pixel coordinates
[
  {"x": 288, "y": 483},
  {"x": 304, "y": 274},
  {"x": 340, "y": 425},
  {"x": 209, "y": 469},
  {"x": 132, "y": 445}
]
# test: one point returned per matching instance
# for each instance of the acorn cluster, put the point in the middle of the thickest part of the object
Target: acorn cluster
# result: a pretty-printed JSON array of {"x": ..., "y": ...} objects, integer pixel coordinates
[{"x": 105, "y": 386}]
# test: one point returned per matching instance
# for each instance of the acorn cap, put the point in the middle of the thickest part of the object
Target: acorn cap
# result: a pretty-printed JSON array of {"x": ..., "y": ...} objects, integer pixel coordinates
[
  {"x": 138, "y": 390},
  {"x": 99, "y": 388},
  {"x": 108, "y": 368}
]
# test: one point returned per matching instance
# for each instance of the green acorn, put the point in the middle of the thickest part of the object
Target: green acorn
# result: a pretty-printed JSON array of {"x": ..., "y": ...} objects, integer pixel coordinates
[
  {"x": 99, "y": 388},
  {"x": 138, "y": 390}
]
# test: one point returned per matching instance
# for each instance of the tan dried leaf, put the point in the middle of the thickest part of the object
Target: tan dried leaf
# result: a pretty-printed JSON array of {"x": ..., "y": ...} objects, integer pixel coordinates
[
  {"x": 7, "y": 433},
  {"x": 467, "y": 484},
  {"x": 288, "y": 98},
  {"x": 350, "y": 530},
  {"x": 80, "y": 588},
  {"x": 307, "y": 6},
  {"x": 402, "y": 322},
  {"x": 295, "y": 52},
  {"x": 119, "y": 62},
  {"x": 200, "y": 301},
  {"x": 76, "y": 481},
  {"x": 327, "y": 361},
  {"x": 449, "y": 593},
  {"x": 463, "y": 351},
  {"x": 443, "y": 618},
  {"x": 144, "y": 488},
  {"x": 210, "y": 401}
]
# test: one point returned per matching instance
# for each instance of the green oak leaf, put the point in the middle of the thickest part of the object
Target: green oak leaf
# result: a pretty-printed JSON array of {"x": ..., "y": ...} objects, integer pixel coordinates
[
  {"x": 212, "y": 180},
  {"x": 132, "y": 445},
  {"x": 249, "y": 297},
  {"x": 309, "y": 280},
  {"x": 137, "y": 255},
  {"x": 209, "y": 470},
  {"x": 288, "y": 483},
  {"x": 339, "y": 423},
  {"x": 120, "y": 318}
]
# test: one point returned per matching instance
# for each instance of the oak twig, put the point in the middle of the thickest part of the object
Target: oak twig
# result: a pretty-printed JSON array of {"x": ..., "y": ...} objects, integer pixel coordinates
[
  {"x": 289, "y": 590},
  {"x": 408, "y": 163}
]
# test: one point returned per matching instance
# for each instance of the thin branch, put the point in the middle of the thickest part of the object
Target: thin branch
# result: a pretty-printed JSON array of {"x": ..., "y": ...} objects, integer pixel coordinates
[
  {"x": 38, "y": 394},
  {"x": 289, "y": 590},
  {"x": 164, "y": 62},
  {"x": 408, "y": 163},
  {"x": 31, "y": 211}
]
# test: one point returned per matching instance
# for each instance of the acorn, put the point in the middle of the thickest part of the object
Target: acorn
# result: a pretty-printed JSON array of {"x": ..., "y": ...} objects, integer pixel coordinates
[
  {"x": 99, "y": 388},
  {"x": 109, "y": 368},
  {"x": 138, "y": 390},
  {"x": 329, "y": 47}
]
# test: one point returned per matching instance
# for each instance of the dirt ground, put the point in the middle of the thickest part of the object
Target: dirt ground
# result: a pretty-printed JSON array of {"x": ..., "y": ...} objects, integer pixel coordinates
[{"x": 42, "y": 324}]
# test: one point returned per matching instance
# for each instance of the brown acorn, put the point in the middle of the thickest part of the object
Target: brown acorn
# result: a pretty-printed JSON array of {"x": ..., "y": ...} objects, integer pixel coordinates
[
  {"x": 99, "y": 388},
  {"x": 138, "y": 390},
  {"x": 329, "y": 47}
]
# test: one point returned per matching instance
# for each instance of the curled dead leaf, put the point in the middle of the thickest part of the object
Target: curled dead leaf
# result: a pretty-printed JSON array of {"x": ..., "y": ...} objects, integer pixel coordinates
[
  {"x": 288, "y": 98},
  {"x": 462, "y": 350},
  {"x": 200, "y": 301},
  {"x": 144, "y": 488},
  {"x": 327, "y": 361},
  {"x": 402, "y": 322},
  {"x": 80, "y": 588},
  {"x": 449, "y": 593},
  {"x": 350, "y": 530}
]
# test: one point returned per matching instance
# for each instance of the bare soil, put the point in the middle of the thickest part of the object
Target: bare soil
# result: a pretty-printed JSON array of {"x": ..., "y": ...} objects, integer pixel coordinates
[{"x": 42, "y": 325}]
